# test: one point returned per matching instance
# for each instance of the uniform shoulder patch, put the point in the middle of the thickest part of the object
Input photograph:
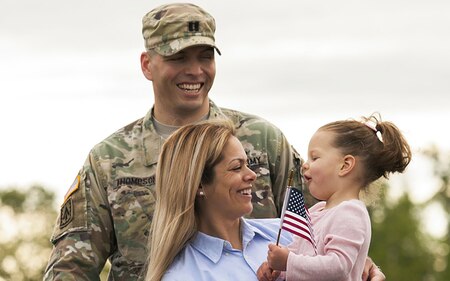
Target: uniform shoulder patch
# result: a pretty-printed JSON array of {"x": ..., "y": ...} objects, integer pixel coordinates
[
  {"x": 66, "y": 215},
  {"x": 73, "y": 187}
]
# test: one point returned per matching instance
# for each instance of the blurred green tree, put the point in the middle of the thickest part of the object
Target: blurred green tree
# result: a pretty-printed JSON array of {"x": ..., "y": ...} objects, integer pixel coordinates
[
  {"x": 26, "y": 222},
  {"x": 399, "y": 246},
  {"x": 441, "y": 169},
  {"x": 27, "y": 218}
]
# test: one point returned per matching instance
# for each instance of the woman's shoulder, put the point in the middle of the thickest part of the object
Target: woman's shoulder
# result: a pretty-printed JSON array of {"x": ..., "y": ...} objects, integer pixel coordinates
[{"x": 181, "y": 267}]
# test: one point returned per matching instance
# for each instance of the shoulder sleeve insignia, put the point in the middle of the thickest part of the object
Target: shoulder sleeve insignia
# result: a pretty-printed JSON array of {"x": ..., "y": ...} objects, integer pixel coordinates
[
  {"x": 73, "y": 188},
  {"x": 66, "y": 215}
]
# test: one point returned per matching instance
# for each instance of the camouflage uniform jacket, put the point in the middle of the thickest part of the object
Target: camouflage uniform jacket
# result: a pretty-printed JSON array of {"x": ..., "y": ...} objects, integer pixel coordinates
[{"x": 108, "y": 210}]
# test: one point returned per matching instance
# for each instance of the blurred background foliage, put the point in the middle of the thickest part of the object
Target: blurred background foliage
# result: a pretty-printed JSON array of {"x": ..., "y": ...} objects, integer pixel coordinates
[{"x": 401, "y": 244}]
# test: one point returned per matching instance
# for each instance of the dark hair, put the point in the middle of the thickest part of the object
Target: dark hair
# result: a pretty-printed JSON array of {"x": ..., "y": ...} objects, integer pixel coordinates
[{"x": 379, "y": 145}]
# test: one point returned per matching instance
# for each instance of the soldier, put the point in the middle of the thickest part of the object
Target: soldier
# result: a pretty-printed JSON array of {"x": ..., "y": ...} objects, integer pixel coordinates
[{"x": 107, "y": 211}]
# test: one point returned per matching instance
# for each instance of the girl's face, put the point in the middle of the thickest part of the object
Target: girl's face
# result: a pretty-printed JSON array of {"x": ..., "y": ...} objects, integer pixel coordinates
[
  {"x": 229, "y": 194},
  {"x": 323, "y": 165}
]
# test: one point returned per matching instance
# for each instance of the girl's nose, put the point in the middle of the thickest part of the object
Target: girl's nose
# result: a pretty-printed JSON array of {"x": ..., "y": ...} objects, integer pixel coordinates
[{"x": 305, "y": 167}]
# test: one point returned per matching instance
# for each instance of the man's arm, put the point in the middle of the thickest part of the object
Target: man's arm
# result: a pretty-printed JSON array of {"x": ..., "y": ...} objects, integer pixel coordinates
[
  {"x": 83, "y": 233},
  {"x": 72, "y": 258}
]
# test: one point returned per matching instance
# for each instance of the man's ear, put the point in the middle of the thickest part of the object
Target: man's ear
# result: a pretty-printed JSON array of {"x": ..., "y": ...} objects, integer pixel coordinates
[
  {"x": 347, "y": 165},
  {"x": 145, "y": 66}
]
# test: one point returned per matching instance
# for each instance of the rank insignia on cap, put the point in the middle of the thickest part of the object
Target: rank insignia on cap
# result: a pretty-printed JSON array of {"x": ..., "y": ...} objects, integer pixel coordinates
[
  {"x": 73, "y": 188},
  {"x": 66, "y": 215},
  {"x": 193, "y": 26}
]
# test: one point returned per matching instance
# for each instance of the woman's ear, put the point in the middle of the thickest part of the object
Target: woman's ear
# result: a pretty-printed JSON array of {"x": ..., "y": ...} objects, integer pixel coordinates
[{"x": 347, "y": 165}]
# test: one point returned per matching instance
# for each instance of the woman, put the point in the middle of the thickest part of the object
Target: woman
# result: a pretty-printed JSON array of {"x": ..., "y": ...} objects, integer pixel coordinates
[{"x": 198, "y": 232}]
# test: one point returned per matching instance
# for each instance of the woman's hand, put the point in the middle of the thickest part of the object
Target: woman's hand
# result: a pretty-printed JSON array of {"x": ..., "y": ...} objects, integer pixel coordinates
[
  {"x": 265, "y": 273},
  {"x": 372, "y": 272}
]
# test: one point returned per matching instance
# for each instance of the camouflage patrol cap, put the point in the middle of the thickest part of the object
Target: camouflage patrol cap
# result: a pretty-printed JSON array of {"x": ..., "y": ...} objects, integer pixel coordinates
[{"x": 170, "y": 28}]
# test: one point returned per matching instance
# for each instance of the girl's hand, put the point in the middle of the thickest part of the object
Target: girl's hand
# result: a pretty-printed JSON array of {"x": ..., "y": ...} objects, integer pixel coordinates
[
  {"x": 277, "y": 257},
  {"x": 372, "y": 272}
]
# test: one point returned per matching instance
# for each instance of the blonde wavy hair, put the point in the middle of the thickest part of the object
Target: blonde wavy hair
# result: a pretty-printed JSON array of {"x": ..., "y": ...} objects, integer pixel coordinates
[{"x": 187, "y": 159}]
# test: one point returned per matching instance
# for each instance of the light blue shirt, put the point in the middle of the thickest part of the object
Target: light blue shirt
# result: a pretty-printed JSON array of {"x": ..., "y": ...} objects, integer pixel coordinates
[{"x": 211, "y": 258}]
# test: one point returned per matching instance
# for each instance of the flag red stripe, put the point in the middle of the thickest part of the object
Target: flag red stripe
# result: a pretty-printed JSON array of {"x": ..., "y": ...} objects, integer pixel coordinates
[
  {"x": 306, "y": 229},
  {"x": 297, "y": 231},
  {"x": 296, "y": 218},
  {"x": 301, "y": 235}
]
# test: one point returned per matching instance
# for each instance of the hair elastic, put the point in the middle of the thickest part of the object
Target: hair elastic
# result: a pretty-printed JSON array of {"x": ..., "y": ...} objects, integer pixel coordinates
[{"x": 373, "y": 127}]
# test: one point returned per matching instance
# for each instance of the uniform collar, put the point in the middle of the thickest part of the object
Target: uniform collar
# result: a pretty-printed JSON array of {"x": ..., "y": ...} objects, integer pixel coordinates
[{"x": 152, "y": 142}]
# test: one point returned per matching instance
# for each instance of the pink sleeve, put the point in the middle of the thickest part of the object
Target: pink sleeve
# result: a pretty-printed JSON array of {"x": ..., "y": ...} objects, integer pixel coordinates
[{"x": 342, "y": 248}]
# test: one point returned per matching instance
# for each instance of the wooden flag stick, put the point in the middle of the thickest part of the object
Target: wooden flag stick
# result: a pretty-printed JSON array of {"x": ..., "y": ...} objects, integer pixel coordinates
[
  {"x": 278, "y": 238},
  {"x": 291, "y": 178}
]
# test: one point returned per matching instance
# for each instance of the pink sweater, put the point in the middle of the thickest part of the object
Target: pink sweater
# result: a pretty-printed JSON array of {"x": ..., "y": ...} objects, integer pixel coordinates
[{"x": 342, "y": 234}]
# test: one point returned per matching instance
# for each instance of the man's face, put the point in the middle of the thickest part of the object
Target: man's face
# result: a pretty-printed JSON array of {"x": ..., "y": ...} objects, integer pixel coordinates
[{"x": 181, "y": 82}]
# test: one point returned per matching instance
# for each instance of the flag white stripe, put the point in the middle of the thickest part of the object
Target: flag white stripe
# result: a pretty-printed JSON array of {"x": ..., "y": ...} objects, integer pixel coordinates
[
  {"x": 286, "y": 199},
  {"x": 297, "y": 217},
  {"x": 303, "y": 225},
  {"x": 296, "y": 229}
]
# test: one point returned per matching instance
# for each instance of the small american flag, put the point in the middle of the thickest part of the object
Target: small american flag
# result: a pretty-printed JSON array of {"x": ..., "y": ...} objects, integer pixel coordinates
[{"x": 295, "y": 217}]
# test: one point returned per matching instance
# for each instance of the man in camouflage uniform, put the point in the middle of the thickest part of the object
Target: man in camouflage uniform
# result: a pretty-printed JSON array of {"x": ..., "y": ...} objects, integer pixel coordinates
[{"x": 107, "y": 212}]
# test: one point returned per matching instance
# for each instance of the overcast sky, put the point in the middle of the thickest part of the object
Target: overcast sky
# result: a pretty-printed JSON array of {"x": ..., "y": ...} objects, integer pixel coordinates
[{"x": 70, "y": 74}]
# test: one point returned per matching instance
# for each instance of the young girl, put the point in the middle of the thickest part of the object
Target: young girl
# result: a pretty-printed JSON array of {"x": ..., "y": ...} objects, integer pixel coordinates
[{"x": 343, "y": 158}]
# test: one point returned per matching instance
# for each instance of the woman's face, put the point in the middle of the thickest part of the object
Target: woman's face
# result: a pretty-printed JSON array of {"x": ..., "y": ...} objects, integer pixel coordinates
[{"x": 229, "y": 194}]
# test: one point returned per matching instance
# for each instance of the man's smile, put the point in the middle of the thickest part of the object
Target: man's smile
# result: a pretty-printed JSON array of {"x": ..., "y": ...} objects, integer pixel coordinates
[{"x": 190, "y": 87}]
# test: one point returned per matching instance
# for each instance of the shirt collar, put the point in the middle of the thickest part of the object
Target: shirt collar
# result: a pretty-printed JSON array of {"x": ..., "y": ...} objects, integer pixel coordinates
[
  {"x": 213, "y": 247},
  {"x": 249, "y": 231}
]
